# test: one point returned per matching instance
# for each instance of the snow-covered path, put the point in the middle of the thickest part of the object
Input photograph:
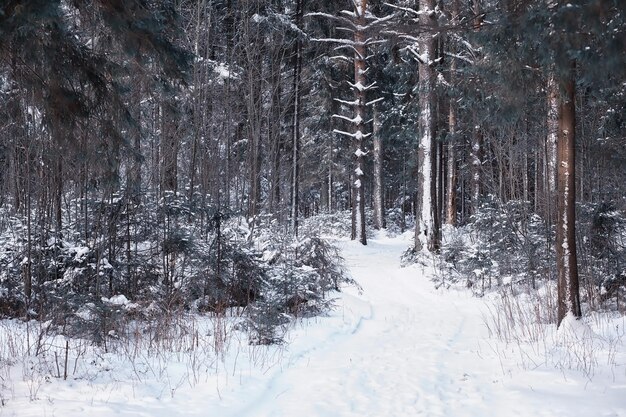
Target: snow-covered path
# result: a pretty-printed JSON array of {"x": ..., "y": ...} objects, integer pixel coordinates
[
  {"x": 399, "y": 348},
  {"x": 403, "y": 348},
  {"x": 408, "y": 351}
]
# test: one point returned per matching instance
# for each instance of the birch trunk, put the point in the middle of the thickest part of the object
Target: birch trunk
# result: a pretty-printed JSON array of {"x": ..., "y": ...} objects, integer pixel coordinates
[
  {"x": 550, "y": 165},
  {"x": 425, "y": 233},
  {"x": 379, "y": 221},
  {"x": 451, "y": 171}
]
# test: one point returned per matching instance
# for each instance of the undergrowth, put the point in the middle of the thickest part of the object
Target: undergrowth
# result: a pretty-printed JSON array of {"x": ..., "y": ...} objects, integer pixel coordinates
[{"x": 505, "y": 253}]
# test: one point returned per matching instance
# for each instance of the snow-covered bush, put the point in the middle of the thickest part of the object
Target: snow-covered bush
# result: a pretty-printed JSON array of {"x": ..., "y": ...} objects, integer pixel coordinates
[
  {"x": 177, "y": 255},
  {"x": 602, "y": 254},
  {"x": 299, "y": 274},
  {"x": 503, "y": 243},
  {"x": 398, "y": 220},
  {"x": 328, "y": 224},
  {"x": 339, "y": 223}
]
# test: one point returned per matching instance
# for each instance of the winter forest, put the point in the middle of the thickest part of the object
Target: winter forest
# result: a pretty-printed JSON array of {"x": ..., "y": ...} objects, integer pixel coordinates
[{"x": 415, "y": 207}]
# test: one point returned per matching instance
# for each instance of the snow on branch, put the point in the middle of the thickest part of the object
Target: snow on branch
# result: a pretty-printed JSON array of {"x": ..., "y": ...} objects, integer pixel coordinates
[
  {"x": 360, "y": 87},
  {"x": 348, "y": 13},
  {"x": 422, "y": 58},
  {"x": 371, "y": 103},
  {"x": 461, "y": 57},
  {"x": 357, "y": 8},
  {"x": 356, "y": 120},
  {"x": 377, "y": 42},
  {"x": 348, "y": 42},
  {"x": 379, "y": 20},
  {"x": 276, "y": 21},
  {"x": 356, "y": 135},
  {"x": 349, "y": 103},
  {"x": 409, "y": 37},
  {"x": 352, "y": 48},
  {"x": 332, "y": 17},
  {"x": 392, "y": 33},
  {"x": 344, "y": 29},
  {"x": 352, "y": 26},
  {"x": 341, "y": 58},
  {"x": 471, "y": 47},
  {"x": 372, "y": 20},
  {"x": 442, "y": 81},
  {"x": 410, "y": 10}
]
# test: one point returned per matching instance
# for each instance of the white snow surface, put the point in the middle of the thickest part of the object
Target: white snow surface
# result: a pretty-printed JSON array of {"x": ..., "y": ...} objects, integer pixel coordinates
[
  {"x": 399, "y": 347},
  {"x": 118, "y": 300}
]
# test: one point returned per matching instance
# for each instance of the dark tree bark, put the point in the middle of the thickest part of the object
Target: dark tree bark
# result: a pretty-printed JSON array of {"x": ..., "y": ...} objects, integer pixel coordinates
[
  {"x": 254, "y": 49},
  {"x": 477, "y": 165},
  {"x": 567, "y": 265},
  {"x": 476, "y": 151},
  {"x": 360, "y": 68},
  {"x": 295, "y": 175},
  {"x": 451, "y": 169},
  {"x": 58, "y": 193},
  {"x": 169, "y": 148}
]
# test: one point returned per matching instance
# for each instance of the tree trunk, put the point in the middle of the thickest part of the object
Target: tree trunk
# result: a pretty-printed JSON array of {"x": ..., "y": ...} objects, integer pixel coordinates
[
  {"x": 475, "y": 156},
  {"x": 133, "y": 179},
  {"x": 330, "y": 182},
  {"x": 254, "y": 109},
  {"x": 379, "y": 221},
  {"x": 550, "y": 165},
  {"x": 295, "y": 178},
  {"x": 425, "y": 226},
  {"x": 477, "y": 134},
  {"x": 359, "y": 80},
  {"x": 274, "y": 122},
  {"x": 198, "y": 103},
  {"x": 58, "y": 193},
  {"x": 27, "y": 266},
  {"x": 353, "y": 211},
  {"x": 567, "y": 265},
  {"x": 439, "y": 185},
  {"x": 169, "y": 149},
  {"x": 451, "y": 169}
]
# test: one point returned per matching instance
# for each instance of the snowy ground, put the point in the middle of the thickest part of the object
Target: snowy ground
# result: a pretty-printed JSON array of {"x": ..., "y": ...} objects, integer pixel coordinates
[{"x": 399, "y": 348}]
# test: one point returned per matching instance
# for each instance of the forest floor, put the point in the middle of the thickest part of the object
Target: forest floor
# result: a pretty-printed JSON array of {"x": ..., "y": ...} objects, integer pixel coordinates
[{"x": 395, "y": 347}]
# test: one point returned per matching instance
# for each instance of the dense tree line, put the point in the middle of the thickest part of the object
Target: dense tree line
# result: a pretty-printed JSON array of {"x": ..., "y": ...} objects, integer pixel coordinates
[{"x": 131, "y": 128}]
